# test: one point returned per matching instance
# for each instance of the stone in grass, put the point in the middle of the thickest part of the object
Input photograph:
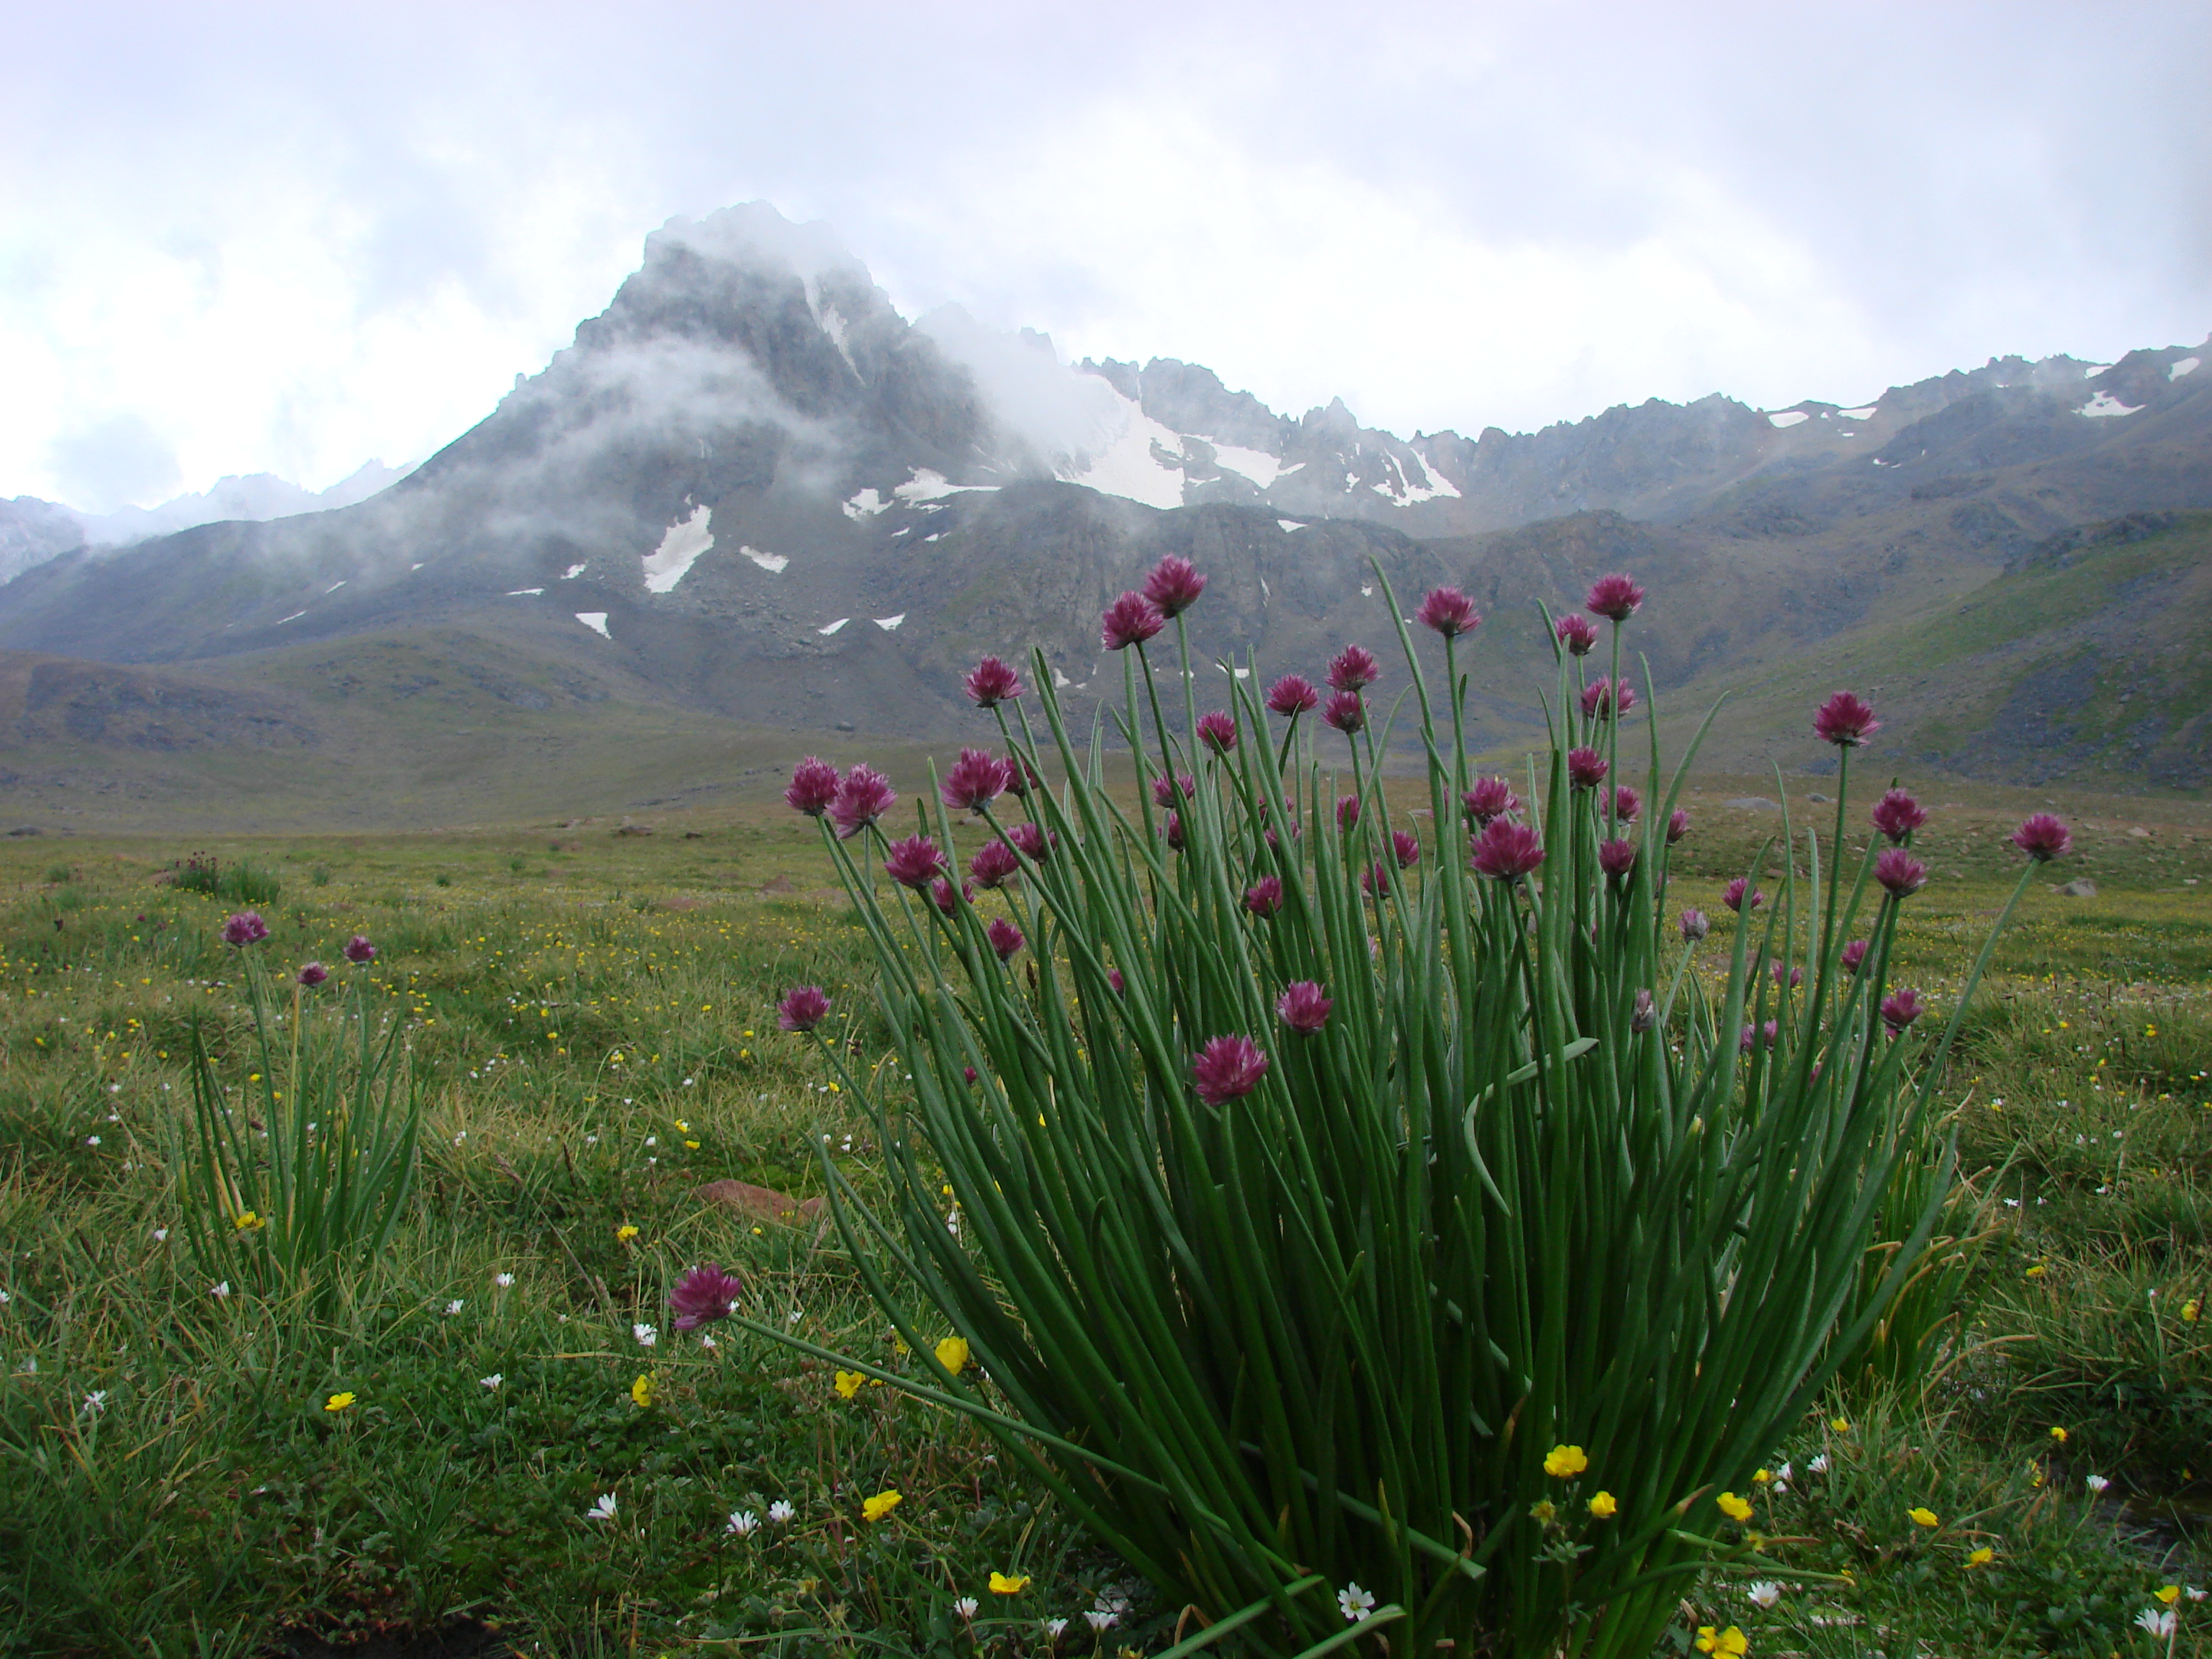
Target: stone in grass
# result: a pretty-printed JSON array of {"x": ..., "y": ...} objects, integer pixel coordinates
[
  {"x": 2080, "y": 887},
  {"x": 1754, "y": 804},
  {"x": 762, "y": 1201}
]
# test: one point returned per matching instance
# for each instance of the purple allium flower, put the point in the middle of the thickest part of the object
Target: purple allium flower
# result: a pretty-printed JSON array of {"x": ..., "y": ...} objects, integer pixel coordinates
[
  {"x": 977, "y": 779},
  {"x": 1615, "y": 596},
  {"x": 1626, "y": 803},
  {"x": 1264, "y": 897},
  {"x": 704, "y": 1295},
  {"x": 1506, "y": 850},
  {"x": 1174, "y": 585},
  {"x": 995, "y": 863},
  {"x": 1576, "y": 635},
  {"x": 1740, "y": 896},
  {"x": 1375, "y": 880},
  {"x": 802, "y": 1010},
  {"x": 1597, "y": 698},
  {"x": 864, "y": 797},
  {"x": 1292, "y": 695},
  {"x": 358, "y": 951},
  {"x": 1900, "y": 874},
  {"x": 1021, "y": 777},
  {"x": 1755, "y": 1036},
  {"x": 1347, "y": 813},
  {"x": 247, "y": 927},
  {"x": 942, "y": 895},
  {"x": 1033, "y": 841},
  {"x": 1784, "y": 974},
  {"x": 1845, "y": 720},
  {"x": 1586, "y": 767},
  {"x": 1491, "y": 798},
  {"x": 1167, "y": 791},
  {"x": 313, "y": 974},
  {"x": 1005, "y": 938},
  {"x": 1218, "y": 730},
  {"x": 1616, "y": 858},
  {"x": 1449, "y": 611},
  {"x": 1405, "y": 848},
  {"x": 1297, "y": 829},
  {"x": 2044, "y": 838},
  {"x": 1352, "y": 669},
  {"x": 813, "y": 787},
  {"x": 914, "y": 862},
  {"x": 969, "y": 1073},
  {"x": 1646, "y": 1014},
  {"x": 1695, "y": 925},
  {"x": 992, "y": 682},
  {"x": 1346, "y": 712},
  {"x": 1854, "y": 954},
  {"x": 1114, "y": 978},
  {"x": 1304, "y": 1006},
  {"x": 1678, "y": 825},
  {"x": 1130, "y": 620},
  {"x": 1897, "y": 815},
  {"x": 1172, "y": 829},
  {"x": 1227, "y": 1068},
  {"x": 1901, "y": 1007}
]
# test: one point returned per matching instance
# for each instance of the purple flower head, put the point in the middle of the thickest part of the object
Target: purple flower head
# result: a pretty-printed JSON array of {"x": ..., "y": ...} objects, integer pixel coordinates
[
  {"x": 864, "y": 797},
  {"x": 1227, "y": 1068},
  {"x": 247, "y": 927},
  {"x": 1347, "y": 813},
  {"x": 977, "y": 779},
  {"x": 1901, "y": 1007},
  {"x": 358, "y": 951},
  {"x": 1264, "y": 897},
  {"x": 992, "y": 682},
  {"x": 1575, "y": 635},
  {"x": 1506, "y": 850},
  {"x": 1586, "y": 767},
  {"x": 1304, "y": 1006},
  {"x": 313, "y": 974},
  {"x": 1292, "y": 695},
  {"x": 813, "y": 787},
  {"x": 995, "y": 863},
  {"x": 1626, "y": 803},
  {"x": 1375, "y": 880},
  {"x": 2043, "y": 838},
  {"x": 1130, "y": 620},
  {"x": 1346, "y": 712},
  {"x": 1740, "y": 896},
  {"x": 704, "y": 1295},
  {"x": 1174, "y": 585},
  {"x": 914, "y": 862},
  {"x": 1615, "y": 596},
  {"x": 1491, "y": 798},
  {"x": 1845, "y": 720},
  {"x": 1616, "y": 858},
  {"x": 1114, "y": 978},
  {"x": 1755, "y": 1036},
  {"x": 1172, "y": 827},
  {"x": 1598, "y": 696},
  {"x": 1695, "y": 925},
  {"x": 969, "y": 1073},
  {"x": 1352, "y": 669},
  {"x": 1021, "y": 777},
  {"x": 1405, "y": 848},
  {"x": 1449, "y": 611},
  {"x": 1900, "y": 874},
  {"x": 942, "y": 895},
  {"x": 1005, "y": 938},
  {"x": 1897, "y": 815},
  {"x": 1678, "y": 825},
  {"x": 1274, "y": 839},
  {"x": 1218, "y": 730},
  {"x": 1167, "y": 792},
  {"x": 1033, "y": 841},
  {"x": 1854, "y": 954},
  {"x": 802, "y": 1010},
  {"x": 1646, "y": 1014},
  {"x": 1784, "y": 974}
]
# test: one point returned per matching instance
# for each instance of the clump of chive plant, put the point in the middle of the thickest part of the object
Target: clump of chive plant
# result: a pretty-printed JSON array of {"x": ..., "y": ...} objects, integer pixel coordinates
[{"x": 1357, "y": 1188}]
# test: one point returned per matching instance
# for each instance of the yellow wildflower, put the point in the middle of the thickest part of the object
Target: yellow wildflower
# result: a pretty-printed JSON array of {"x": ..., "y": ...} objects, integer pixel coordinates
[
  {"x": 1982, "y": 1557},
  {"x": 248, "y": 1221},
  {"x": 2168, "y": 1594},
  {"x": 1734, "y": 1507},
  {"x": 1563, "y": 1461},
  {"x": 875, "y": 1508},
  {"x": 1603, "y": 1506},
  {"x": 640, "y": 1392},
  {"x": 624, "y": 1233},
  {"x": 1730, "y": 1643},
  {"x": 2058, "y": 1434},
  {"x": 953, "y": 1354},
  {"x": 1922, "y": 1517},
  {"x": 1840, "y": 1425},
  {"x": 1003, "y": 1583},
  {"x": 1762, "y": 1477},
  {"x": 2038, "y": 1271},
  {"x": 848, "y": 1384},
  {"x": 338, "y": 1402},
  {"x": 1543, "y": 1512},
  {"x": 2189, "y": 1311}
]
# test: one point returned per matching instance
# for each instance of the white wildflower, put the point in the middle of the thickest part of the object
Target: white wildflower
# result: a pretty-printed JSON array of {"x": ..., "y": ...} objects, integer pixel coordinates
[
  {"x": 222, "y": 1289},
  {"x": 1099, "y": 1620},
  {"x": 602, "y": 1510},
  {"x": 781, "y": 1512},
  {"x": 965, "y": 1607},
  {"x": 491, "y": 1382},
  {"x": 1819, "y": 1463},
  {"x": 2097, "y": 1483},
  {"x": 1764, "y": 1594},
  {"x": 646, "y": 1335},
  {"x": 503, "y": 1279},
  {"x": 743, "y": 1524},
  {"x": 452, "y": 1307},
  {"x": 1053, "y": 1627},
  {"x": 1355, "y": 1603},
  {"x": 95, "y": 1402},
  {"x": 2158, "y": 1621}
]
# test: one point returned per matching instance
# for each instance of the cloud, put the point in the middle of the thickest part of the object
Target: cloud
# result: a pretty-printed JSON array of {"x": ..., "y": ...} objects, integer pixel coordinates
[{"x": 113, "y": 461}]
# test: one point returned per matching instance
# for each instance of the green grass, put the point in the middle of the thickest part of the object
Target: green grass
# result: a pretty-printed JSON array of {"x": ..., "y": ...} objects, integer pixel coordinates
[{"x": 585, "y": 1005}]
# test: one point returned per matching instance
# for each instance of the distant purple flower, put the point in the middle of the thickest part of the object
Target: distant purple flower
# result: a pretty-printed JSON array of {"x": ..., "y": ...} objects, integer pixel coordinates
[
  {"x": 942, "y": 895},
  {"x": 1218, "y": 730},
  {"x": 1597, "y": 698},
  {"x": 864, "y": 796},
  {"x": 1114, "y": 978},
  {"x": 802, "y": 1010},
  {"x": 1740, "y": 896},
  {"x": 1897, "y": 815},
  {"x": 1845, "y": 720},
  {"x": 1695, "y": 927},
  {"x": 358, "y": 951},
  {"x": 1227, "y": 1068},
  {"x": 1174, "y": 585},
  {"x": 1506, "y": 850},
  {"x": 1854, "y": 954},
  {"x": 247, "y": 927},
  {"x": 1347, "y": 813},
  {"x": 1130, "y": 620},
  {"x": 703, "y": 1294},
  {"x": 1033, "y": 840},
  {"x": 1292, "y": 695},
  {"x": 2043, "y": 838},
  {"x": 1352, "y": 669},
  {"x": 1005, "y": 938},
  {"x": 1575, "y": 634},
  {"x": 1900, "y": 874},
  {"x": 1346, "y": 712},
  {"x": 1784, "y": 973},
  {"x": 1304, "y": 1006},
  {"x": 1264, "y": 897},
  {"x": 1168, "y": 791},
  {"x": 1405, "y": 848},
  {"x": 1586, "y": 767},
  {"x": 994, "y": 863},
  {"x": 1449, "y": 611},
  {"x": 1375, "y": 880},
  {"x": 1626, "y": 803},
  {"x": 1646, "y": 1014},
  {"x": 1678, "y": 825},
  {"x": 1021, "y": 777},
  {"x": 1754, "y": 1036},
  {"x": 1616, "y": 858},
  {"x": 914, "y": 862},
  {"x": 313, "y": 974},
  {"x": 976, "y": 779},
  {"x": 813, "y": 787},
  {"x": 1491, "y": 798},
  {"x": 1273, "y": 839},
  {"x": 1172, "y": 827},
  {"x": 1614, "y": 596},
  {"x": 1901, "y": 1007},
  {"x": 992, "y": 682}
]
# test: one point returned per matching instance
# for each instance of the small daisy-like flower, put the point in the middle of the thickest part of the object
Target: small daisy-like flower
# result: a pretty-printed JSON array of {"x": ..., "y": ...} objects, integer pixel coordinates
[
  {"x": 503, "y": 1280},
  {"x": 1100, "y": 1620},
  {"x": 1354, "y": 1603},
  {"x": 646, "y": 1335},
  {"x": 2158, "y": 1621},
  {"x": 966, "y": 1606},
  {"x": 781, "y": 1513},
  {"x": 491, "y": 1382},
  {"x": 1764, "y": 1594},
  {"x": 602, "y": 1510},
  {"x": 2096, "y": 1482},
  {"x": 95, "y": 1402},
  {"x": 743, "y": 1524},
  {"x": 452, "y": 1307},
  {"x": 1819, "y": 1463},
  {"x": 222, "y": 1289}
]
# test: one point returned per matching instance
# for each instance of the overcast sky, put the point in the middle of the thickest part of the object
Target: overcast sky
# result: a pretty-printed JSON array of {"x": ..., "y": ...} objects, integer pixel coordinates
[{"x": 290, "y": 238}]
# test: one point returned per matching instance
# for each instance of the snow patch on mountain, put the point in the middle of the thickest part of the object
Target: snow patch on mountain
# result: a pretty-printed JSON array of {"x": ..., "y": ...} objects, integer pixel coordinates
[
  {"x": 833, "y": 627},
  {"x": 2105, "y": 404},
  {"x": 2186, "y": 366},
  {"x": 679, "y": 549},
  {"x": 574, "y": 571},
  {"x": 928, "y": 485},
  {"x": 596, "y": 620},
  {"x": 1140, "y": 461},
  {"x": 1788, "y": 417},
  {"x": 1262, "y": 468},
  {"x": 1866, "y": 414},
  {"x": 773, "y": 563},
  {"x": 865, "y": 504},
  {"x": 890, "y": 624}
]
